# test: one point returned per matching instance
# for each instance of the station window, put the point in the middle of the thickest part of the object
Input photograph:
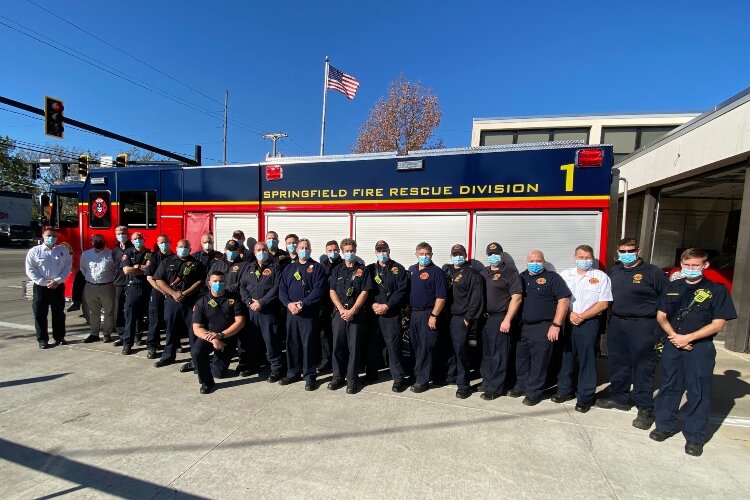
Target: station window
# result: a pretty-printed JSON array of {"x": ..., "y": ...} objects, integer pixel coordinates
[
  {"x": 66, "y": 212},
  {"x": 138, "y": 209},
  {"x": 526, "y": 136},
  {"x": 625, "y": 140},
  {"x": 100, "y": 210}
]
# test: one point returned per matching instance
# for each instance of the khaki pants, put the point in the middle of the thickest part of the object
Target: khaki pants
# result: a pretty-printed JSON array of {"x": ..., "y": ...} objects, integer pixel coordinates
[{"x": 100, "y": 298}]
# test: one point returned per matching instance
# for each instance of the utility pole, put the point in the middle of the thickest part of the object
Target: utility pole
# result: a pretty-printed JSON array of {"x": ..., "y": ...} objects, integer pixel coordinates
[
  {"x": 226, "y": 111},
  {"x": 273, "y": 137}
]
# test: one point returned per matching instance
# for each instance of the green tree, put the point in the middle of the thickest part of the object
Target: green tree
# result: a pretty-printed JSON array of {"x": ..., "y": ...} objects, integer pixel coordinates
[{"x": 14, "y": 173}]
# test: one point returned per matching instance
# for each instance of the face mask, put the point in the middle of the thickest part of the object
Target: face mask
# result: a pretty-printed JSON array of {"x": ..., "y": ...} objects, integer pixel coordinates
[
  {"x": 99, "y": 245},
  {"x": 494, "y": 259},
  {"x": 585, "y": 264},
  {"x": 291, "y": 248},
  {"x": 261, "y": 256},
  {"x": 232, "y": 254},
  {"x": 122, "y": 238},
  {"x": 304, "y": 254},
  {"x": 271, "y": 244},
  {"x": 183, "y": 252},
  {"x": 424, "y": 259},
  {"x": 535, "y": 267},
  {"x": 138, "y": 243},
  {"x": 383, "y": 256},
  {"x": 627, "y": 258},
  {"x": 458, "y": 260},
  {"x": 350, "y": 256},
  {"x": 333, "y": 255},
  {"x": 692, "y": 274},
  {"x": 50, "y": 240},
  {"x": 164, "y": 247},
  {"x": 208, "y": 246},
  {"x": 218, "y": 287}
]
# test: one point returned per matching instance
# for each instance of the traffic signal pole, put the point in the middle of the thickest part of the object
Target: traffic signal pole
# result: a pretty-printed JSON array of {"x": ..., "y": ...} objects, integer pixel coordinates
[{"x": 111, "y": 135}]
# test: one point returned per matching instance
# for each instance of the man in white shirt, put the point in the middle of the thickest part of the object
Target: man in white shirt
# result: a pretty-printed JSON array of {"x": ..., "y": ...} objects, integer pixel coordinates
[
  {"x": 98, "y": 268},
  {"x": 48, "y": 266},
  {"x": 592, "y": 293}
]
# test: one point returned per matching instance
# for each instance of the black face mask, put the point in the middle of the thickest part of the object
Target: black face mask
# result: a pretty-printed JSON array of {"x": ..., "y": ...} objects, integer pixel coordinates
[{"x": 99, "y": 245}]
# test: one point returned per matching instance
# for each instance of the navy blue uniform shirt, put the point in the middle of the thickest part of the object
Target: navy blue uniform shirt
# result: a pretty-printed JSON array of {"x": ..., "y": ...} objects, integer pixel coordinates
[
  {"x": 465, "y": 292},
  {"x": 132, "y": 257},
  {"x": 216, "y": 314},
  {"x": 706, "y": 301},
  {"x": 181, "y": 274},
  {"x": 499, "y": 286},
  {"x": 541, "y": 293},
  {"x": 303, "y": 282},
  {"x": 260, "y": 282},
  {"x": 636, "y": 289},
  {"x": 231, "y": 272},
  {"x": 390, "y": 286},
  {"x": 117, "y": 253},
  {"x": 349, "y": 282},
  {"x": 427, "y": 285}
]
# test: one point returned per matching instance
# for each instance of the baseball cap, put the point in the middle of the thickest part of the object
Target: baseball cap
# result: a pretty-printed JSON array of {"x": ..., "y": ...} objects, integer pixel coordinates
[
  {"x": 381, "y": 245},
  {"x": 232, "y": 245},
  {"x": 494, "y": 248},
  {"x": 458, "y": 248}
]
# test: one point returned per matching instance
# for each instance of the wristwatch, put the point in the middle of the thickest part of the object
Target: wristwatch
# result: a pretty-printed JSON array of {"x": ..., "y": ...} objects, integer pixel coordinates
[
  {"x": 556, "y": 324},
  {"x": 433, "y": 314}
]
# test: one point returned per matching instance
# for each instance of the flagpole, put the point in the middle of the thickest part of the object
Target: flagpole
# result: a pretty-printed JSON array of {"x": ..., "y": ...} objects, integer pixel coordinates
[{"x": 323, "y": 121}]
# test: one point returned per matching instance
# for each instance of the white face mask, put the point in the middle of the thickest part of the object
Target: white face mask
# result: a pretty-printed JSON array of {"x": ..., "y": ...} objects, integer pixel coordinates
[{"x": 208, "y": 246}]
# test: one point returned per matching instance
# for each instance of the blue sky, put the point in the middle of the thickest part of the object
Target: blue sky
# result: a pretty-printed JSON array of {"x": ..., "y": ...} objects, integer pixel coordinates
[{"x": 482, "y": 59}]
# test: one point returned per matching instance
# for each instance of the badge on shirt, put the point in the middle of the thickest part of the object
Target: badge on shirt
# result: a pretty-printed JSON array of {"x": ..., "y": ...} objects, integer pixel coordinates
[
  {"x": 458, "y": 278},
  {"x": 350, "y": 291},
  {"x": 358, "y": 273},
  {"x": 378, "y": 280},
  {"x": 257, "y": 273},
  {"x": 496, "y": 277},
  {"x": 266, "y": 272},
  {"x": 394, "y": 270},
  {"x": 212, "y": 303},
  {"x": 702, "y": 294},
  {"x": 541, "y": 281},
  {"x": 147, "y": 256},
  {"x": 310, "y": 268},
  {"x": 230, "y": 302},
  {"x": 424, "y": 276},
  {"x": 297, "y": 276},
  {"x": 637, "y": 277},
  {"x": 186, "y": 270},
  {"x": 124, "y": 257},
  {"x": 594, "y": 281},
  {"x": 235, "y": 268}
]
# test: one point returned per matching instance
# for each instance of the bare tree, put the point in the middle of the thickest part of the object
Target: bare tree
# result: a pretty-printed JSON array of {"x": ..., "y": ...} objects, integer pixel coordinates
[{"x": 403, "y": 121}]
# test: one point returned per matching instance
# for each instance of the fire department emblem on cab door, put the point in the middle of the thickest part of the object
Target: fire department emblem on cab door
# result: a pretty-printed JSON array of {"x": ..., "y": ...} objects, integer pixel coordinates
[{"x": 99, "y": 208}]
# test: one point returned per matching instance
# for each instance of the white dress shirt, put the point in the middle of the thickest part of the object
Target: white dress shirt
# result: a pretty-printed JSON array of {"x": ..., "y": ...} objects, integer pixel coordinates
[
  {"x": 44, "y": 264},
  {"x": 98, "y": 267},
  {"x": 587, "y": 289}
]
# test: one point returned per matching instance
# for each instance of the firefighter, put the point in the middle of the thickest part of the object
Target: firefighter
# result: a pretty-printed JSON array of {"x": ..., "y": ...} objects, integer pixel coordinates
[
  {"x": 591, "y": 295},
  {"x": 330, "y": 260},
  {"x": 206, "y": 255},
  {"x": 545, "y": 305},
  {"x": 349, "y": 287},
  {"x": 239, "y": 237},
  {"x": 278, "y": 256},
  {"x": 180, "y": 276},
  {"x": 632, "y": 333},
  {"x": 120, "y": 282},
  {"x": 156, "y": 301},
  {"x": 465, "y": 306},
  {"x": 503, "y": 297},
  {"x": 302, "y": 287},
  {"x": 691, "y": 311},
  {"x": 259, "y": 288},
  {"x": 389, "y": 295},
  {"x": 134, "y": 264},
  {"x": 291, "y": 241},
  {"x": 217, "y": 317},
  {"x": 427, "y": 300}
]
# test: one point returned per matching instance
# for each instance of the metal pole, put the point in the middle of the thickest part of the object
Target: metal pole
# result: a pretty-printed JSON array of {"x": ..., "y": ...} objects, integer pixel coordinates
[
  {"x": 273, "y": 138},
  {"x": 624, "y": 206},
  {"x": 226, "y": 110},
  {"x": 198, "y": 155},
  {"x": 323, "y": 121},
  {"x": 656, "y": 224}
]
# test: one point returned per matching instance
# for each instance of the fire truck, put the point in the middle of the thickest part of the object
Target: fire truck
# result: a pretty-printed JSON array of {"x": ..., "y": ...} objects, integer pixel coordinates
[{"x": 550, "y": 196}]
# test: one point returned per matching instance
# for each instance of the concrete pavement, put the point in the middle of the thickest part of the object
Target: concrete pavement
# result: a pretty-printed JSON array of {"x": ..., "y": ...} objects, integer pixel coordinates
[{"x": 83, "y": 421}]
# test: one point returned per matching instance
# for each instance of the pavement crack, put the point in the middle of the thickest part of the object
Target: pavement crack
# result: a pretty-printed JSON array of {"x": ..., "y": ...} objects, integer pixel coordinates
[{"x": 588, "y": 441}]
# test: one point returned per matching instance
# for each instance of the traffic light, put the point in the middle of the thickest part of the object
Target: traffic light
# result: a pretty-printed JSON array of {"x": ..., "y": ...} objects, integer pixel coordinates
[
  {"x": 83, "y": 165},
  {"x": 53, "y": 117},
  {"x": 35, "y": 171},
  {"x": 121, "y": 160}
]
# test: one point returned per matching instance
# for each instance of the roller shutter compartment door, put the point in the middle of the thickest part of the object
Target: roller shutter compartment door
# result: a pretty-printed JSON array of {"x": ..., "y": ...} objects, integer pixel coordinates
[
  {"x": 403, "y": 231},
  {"x": 556, "y": 234},
  {"x": 319, "y": 228},
  {"x": 226, "y": 224}
]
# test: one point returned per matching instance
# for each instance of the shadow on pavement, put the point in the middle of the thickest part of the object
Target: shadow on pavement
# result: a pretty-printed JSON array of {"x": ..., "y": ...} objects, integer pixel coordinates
[
  {"x": 33, "y": 380},
  {"x": 731, "y": 388}
]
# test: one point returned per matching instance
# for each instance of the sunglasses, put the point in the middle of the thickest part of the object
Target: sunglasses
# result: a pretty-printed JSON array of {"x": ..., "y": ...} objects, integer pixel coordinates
[{"x": 628, "y": 251}]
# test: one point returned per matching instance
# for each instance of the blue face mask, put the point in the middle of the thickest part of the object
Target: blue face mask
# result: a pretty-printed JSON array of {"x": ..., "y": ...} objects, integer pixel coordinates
[
  {"x": 183, "y": 252},
  {"x": 304, "y": 253},
  {"x": 333, "y": 255},
  {"x": 232, "y": 254},
  {"x": 291, "y": 248},
  {"x": 261, "y": 256},
  {"x": 424, "y": 259},
  {"x": 271, "y": 244},
  {"x": 458, "y": 260},
  {"x": 122, "y": 238},
  {"x": 692, "y": 274},
  {"x": 138, "y": 242},
  {"x": 627, "y": 258},
  {"x": 494, "y": 259},
  {"x": 50, "y": 240},
  {"x": 584, "y": 264},
  {"x": 218, "y": 287},
  {"x": 164, "y": 247},
  {"x": 383, "y": 256},
  {"x": 535, "y": 267},
  {"x": 350, "y": 256}
]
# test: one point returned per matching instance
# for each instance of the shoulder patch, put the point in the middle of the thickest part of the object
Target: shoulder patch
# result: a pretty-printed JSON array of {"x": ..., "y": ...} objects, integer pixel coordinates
[
  {"x": 394, "y": 270},
  {"x": 637, "y": 278},
  {"x": 235, "y": 268},
  {"x": 541, "y": 281},
  {"x": 266, "y": 272},
  {"x": 230, "y": 302},
  {"x": 358, "y": 273},
  {"x": 424, "y": 276},
  {"x": 496, "y": 276}
]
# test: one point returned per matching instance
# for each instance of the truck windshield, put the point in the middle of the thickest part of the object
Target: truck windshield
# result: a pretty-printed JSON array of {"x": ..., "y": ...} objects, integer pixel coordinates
[{"x": 65, "y": 213}]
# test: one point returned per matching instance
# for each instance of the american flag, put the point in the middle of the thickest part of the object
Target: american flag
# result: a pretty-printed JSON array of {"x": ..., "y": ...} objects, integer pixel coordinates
[{"x": 346, "y": 84}]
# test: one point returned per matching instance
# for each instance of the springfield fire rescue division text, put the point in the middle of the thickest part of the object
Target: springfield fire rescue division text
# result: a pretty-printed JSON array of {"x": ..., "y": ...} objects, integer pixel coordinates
[{"x": 402, "y": 192}]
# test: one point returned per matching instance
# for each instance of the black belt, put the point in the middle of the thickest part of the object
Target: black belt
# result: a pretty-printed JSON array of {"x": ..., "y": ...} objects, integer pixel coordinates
[
  {"x": 634, "y": 317},
  {"x": 419, "y": 309},
  {"x": 99, "y": 284},
  {"x": 502, "y": 313},
  {"x": 537, "y": 322}
]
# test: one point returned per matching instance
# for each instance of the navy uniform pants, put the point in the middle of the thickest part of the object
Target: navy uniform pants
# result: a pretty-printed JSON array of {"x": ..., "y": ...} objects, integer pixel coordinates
[
  {"x": 155, "y": 318},
  {"x": 533, "y": 354},
  {"x": 632, "y": 360},
  {"x": 495, "y": 354},
  {"x": 120, "y": 309},
  {"x": 179, "y": 319},
  {"x": 207, "y": 366},
  {"x": 579, "y": 342},
  {"x": 389, "y": 329},
  {"x": 423, "y": 341},
  {"x": 348, "y": 337},
  {"x": 459, "y": 332},
  {"x": 46, "y": 299},
  {"x": 263, "y": 325},
  {"x": 302, "y": 345},
  {"x": 136, "y": 304},
  {"x": 680, "y": 371}
]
